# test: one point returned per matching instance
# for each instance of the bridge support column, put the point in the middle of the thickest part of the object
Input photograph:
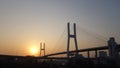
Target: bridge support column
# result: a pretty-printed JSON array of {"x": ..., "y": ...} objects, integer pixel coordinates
[
  {"x": 71, "y": 36},
  {"x": 88, "y": 54},
  {"x": 42, "y": 48},
  {"x": 96, "y": 54}
]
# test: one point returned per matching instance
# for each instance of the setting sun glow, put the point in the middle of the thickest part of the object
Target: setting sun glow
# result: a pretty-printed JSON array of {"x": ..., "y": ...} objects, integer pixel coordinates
[{"x": 34, "y": 51}]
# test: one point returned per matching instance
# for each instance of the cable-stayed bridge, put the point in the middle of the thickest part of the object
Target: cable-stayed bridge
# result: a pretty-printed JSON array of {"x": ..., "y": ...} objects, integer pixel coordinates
[
  {"x": 73, "y": 58},
  {"x": 112, "y": 47}
]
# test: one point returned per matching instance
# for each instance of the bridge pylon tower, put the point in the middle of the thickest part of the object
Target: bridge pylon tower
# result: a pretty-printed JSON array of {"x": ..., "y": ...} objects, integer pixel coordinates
[
  {"x": 42, "y": 49},
  {"x": 71, "y": 36}
]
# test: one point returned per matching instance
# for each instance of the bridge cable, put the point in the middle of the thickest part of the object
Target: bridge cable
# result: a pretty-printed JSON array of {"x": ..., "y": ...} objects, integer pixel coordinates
[
  {"x": 92, "y": 34},
  {"x": 58, "y": 46}
]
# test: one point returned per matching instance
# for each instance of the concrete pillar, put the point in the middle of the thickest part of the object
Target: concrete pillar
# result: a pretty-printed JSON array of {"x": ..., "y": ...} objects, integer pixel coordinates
[
  {"x": 88, "y": 54},
  {"x": 95, "y": 53}
]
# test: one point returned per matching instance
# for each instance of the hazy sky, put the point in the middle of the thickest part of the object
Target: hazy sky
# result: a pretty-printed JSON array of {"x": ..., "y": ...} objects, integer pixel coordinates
[{"x": 26, "y": 23}]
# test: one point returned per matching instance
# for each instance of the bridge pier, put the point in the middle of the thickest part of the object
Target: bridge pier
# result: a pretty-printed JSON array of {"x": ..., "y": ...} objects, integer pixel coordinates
[
  {"x": 88, "y": 54},
  {"x": 96, "y": 54}
]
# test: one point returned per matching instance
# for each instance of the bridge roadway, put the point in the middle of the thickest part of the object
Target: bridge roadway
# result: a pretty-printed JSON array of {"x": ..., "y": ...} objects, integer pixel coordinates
[
  {"x": 49, "y": 55},
  {"x": 83, "y": 50}
]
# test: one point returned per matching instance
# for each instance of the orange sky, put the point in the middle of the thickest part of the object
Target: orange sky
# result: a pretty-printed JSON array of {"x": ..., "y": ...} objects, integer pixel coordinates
[{"x": 24, "y": 24}]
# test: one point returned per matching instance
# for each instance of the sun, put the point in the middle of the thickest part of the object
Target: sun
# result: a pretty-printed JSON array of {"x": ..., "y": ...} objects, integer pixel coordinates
[{"x": 34, "y": 51}]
